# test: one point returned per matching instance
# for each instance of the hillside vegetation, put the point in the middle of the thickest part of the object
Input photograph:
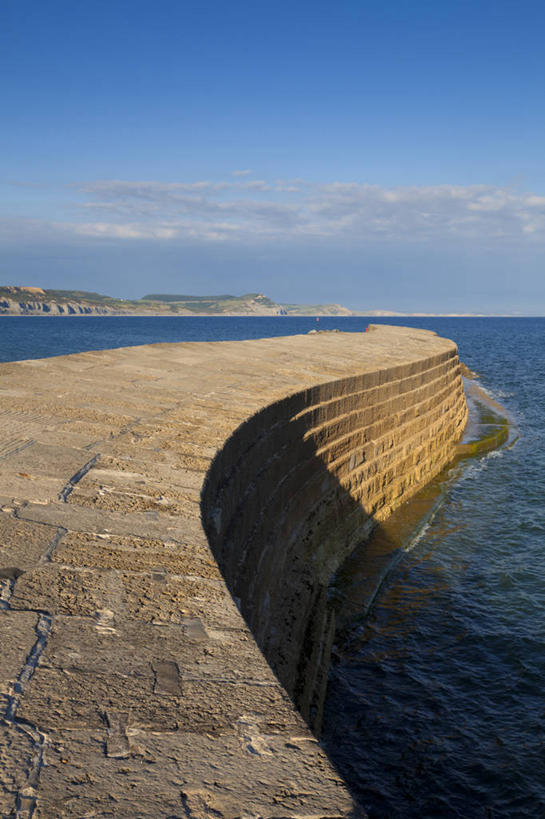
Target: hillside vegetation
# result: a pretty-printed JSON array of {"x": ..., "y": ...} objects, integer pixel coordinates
[{"x": 19, "y": 300}]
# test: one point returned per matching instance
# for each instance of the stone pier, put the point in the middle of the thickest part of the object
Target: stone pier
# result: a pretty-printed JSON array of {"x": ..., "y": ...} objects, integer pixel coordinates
[{"x": 171, "y": 517}]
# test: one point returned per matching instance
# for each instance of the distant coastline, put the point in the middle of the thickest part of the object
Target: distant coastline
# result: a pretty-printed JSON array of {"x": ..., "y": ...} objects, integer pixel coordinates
[{"x": 20, "y": 300}]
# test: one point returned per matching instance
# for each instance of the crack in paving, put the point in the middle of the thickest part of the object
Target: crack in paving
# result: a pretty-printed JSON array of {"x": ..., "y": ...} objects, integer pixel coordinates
[
  {"x": 113, "y": 436},
  {"x": 47, "y": 555},
  {"x": 66, "y": 490},
  {"x": 14, "y": 507},
  {"x": 26, "y": 797},
  {"x": 43, "y": 629},
  {"x": 6, "y": 590}
]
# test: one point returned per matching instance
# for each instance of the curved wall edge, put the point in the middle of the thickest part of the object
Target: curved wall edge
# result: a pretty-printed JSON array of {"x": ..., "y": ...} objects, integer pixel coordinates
[{"x": 299, "y": 484}]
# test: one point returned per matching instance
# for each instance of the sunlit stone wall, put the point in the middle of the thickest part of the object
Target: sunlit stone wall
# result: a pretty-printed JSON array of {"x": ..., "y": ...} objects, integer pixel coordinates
[{"x": 300, "y": 483}]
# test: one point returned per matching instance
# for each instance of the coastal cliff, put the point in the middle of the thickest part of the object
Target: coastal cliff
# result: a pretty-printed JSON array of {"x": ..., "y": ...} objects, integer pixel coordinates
[
  {"x": 35, "y": 301},
  {"x": 170, "y": 518}
]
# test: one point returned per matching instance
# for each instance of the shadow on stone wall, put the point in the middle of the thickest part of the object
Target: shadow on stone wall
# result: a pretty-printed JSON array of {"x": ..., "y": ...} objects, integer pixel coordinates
[{"x": 301, "y": 483}]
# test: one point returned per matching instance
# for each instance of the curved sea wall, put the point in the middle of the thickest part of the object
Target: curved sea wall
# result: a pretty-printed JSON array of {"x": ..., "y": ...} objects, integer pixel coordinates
[
  {"x": 148, "y": 496},
  {"x": 302, "y": 482}
]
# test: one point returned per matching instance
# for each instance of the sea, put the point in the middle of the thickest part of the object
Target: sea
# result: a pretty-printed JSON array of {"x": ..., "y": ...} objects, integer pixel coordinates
[{"x": 436, "y": 704}]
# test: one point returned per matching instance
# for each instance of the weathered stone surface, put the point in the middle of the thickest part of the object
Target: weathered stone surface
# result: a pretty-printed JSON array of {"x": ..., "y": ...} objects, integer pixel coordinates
[
  {"x": 188, "y": 774},
  {"x": 17, "y": 637},
  {"x": 134, "y": 553},
  {"x": 42, "y": 471},
  {"x": 16, "y": 763},
  {"x": 94, "y": 645},
  {"x": 81, "y": 519},
  {"x": 22, "y": 544},
  {"x": 136, "y": 487},
  {"x": 154, "y": 596}
]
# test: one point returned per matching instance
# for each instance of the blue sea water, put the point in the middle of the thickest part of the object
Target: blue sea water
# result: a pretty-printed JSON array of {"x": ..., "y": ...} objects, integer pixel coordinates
[
  {"x": 436, "y": 704},
  {"x": 42, "y": 336}
]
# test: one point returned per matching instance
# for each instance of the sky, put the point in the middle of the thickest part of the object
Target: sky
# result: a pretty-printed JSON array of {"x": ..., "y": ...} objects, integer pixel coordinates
[{"x": 381, "y": 154}]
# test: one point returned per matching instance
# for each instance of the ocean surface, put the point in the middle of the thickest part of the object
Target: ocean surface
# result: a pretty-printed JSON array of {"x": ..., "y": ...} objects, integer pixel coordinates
[{"x": 436, "y": 705}]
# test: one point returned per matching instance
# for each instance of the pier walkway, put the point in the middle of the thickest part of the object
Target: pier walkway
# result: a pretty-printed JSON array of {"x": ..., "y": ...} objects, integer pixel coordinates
[{"x": 130, "y": 683}]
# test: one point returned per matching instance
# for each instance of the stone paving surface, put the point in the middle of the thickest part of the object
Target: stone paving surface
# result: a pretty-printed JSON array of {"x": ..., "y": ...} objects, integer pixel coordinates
[{"x": 130, "y": 685}]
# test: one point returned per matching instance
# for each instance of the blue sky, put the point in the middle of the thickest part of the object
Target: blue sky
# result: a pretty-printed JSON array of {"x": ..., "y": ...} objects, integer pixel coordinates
[{"x": 381, "y": 155}]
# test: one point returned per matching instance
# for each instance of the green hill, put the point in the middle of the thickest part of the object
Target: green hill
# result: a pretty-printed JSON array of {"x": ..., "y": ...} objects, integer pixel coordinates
[{"x": 20, "y": 300}]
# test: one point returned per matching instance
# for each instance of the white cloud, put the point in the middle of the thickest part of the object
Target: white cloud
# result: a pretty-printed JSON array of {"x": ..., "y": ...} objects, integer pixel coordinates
[
  {"x": 295, "y": 210},
  {"x": 127, "y": 231},
  {"x": 120, "y": 189},
  {"x": 245, "y": 172},
  {"x": 258, "y": 185}
]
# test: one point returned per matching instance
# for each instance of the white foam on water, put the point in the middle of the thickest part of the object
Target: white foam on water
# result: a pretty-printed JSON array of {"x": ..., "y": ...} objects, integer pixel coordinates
[{"x": 419, "y": 535}]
